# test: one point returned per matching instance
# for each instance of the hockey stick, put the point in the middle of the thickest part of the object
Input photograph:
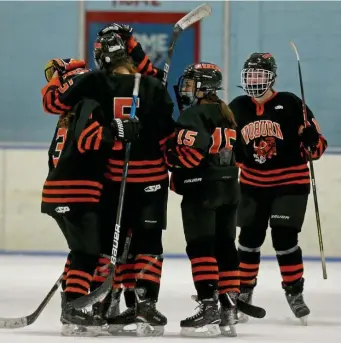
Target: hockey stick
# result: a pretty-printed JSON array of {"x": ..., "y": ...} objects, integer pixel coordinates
[
  {"x": 16, "y": 323},
  {"x": 100, "y": 293},
  {"x": 311, "y": 167},
  {"x": 250, "y": 310},
  {"x": 189, "y": 19}
]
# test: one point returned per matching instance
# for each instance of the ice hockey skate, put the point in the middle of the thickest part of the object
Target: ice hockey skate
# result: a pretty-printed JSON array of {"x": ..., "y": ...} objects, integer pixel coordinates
[
  {"x": 78, "y": 322},
  {"x": 246, "y": 295},
  {"x": 228, "y": 314},
  {"x": 149, "y": 321},
  {"x": 294, "y": 295},
  {"x": 205, "y": 322}
]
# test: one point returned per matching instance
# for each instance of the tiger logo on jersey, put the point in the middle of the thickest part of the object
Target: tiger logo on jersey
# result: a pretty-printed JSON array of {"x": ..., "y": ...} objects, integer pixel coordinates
[{"x": 265, "y": 149}]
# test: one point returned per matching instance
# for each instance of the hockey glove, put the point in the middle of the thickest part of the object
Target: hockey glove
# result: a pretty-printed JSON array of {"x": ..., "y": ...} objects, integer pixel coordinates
[
  {"x": 62, "y": 66},
  {"x": 125, "y": 31},
  {"x": 126, "y": 130},
  {"x": 310, "y": 136}
]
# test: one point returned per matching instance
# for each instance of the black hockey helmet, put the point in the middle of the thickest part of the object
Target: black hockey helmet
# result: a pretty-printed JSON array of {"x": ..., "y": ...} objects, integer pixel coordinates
[
  {"x": 258, "y": 74},
  {"x": 199, "y": 77},
  {"x": 108, "y": 50}
]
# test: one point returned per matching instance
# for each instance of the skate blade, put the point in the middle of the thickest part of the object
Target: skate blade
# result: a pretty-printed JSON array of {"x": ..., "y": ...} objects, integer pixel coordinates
[
  {"x": 210, "y": 330},
  {"x": 304, "y": 320},
  {"x": 243, "y": 318},
  {"x": 122, "y": 330},
  {"x": 147, "y": 330},
  {"x": 73, "y": 330},
  {"x": 228, "y": 330}
]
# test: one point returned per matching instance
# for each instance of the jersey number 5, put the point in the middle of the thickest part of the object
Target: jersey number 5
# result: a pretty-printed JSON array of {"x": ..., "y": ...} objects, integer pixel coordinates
[
  {"x": 122, "y": 107},
  {"x": 60, "y": 141}
]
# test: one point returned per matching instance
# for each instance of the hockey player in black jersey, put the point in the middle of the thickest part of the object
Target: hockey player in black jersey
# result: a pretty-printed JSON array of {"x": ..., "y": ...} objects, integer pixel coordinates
[
  {"x": 61, "y": 70},
  {"x": 201, "y": 157},
  {"x": 146, "y": 195},
  {"x": 71, "y": 195},
  {"x": 274, "y": 179}
]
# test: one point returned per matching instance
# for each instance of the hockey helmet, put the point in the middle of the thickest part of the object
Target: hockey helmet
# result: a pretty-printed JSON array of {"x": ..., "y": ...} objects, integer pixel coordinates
[
  {"x": 258, "y": 74},
  {"x": 108, "y": 50},
  {"x": 198, "y": 80}
]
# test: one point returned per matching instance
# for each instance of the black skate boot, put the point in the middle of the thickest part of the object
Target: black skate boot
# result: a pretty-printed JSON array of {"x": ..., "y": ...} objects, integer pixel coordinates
[
  {"x": 246, "y": 295},
  {"x": 124, "y": 323},
  {"x": 294, "y": 295},
  {"x": 228, "y": 313},
  {"x": 78, "y": 322},
  {"x": 205, "y": 323},
  {"x": 110, "y": 306},
  {"x": 114, "y": 307},
  {"x": 149, "y": 321}
]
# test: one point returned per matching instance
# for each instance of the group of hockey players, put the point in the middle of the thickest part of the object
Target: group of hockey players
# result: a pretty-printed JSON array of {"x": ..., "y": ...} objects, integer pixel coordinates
[{"x": 262, "y": 134}]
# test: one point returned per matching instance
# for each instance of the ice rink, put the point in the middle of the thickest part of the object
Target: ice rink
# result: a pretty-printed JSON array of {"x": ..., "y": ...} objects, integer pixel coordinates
[{"x": 26, "y": 280}]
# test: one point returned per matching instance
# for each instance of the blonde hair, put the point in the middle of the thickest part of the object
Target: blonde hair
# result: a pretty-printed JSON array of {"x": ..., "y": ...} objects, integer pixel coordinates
[
  {"x": 64, "y": 120},
  {"x": 127, "y": 63}
]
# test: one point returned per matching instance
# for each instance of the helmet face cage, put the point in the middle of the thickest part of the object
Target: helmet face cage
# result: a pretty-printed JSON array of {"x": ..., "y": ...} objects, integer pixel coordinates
[
  {"x": 207, "y": 79},
  {"x": 258, "y": 74},
  {"x": 187, "y": 97},
  {"x": 256, "y": 82},
  {"x": 108, "y": 49}
]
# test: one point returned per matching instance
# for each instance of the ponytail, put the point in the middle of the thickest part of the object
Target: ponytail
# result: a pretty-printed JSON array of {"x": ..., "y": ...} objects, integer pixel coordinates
[{"x": 224, "y": 109}]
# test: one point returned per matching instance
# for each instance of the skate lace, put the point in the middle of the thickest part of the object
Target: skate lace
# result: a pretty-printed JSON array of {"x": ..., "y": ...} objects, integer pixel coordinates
[
  {"x": 199, "y": 308},
  {"x": 153, "y": 305}
]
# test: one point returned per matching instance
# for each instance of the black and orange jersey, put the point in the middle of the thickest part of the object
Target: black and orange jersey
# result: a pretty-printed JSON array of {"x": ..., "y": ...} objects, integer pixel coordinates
[
  {"x": 154, "y": 110},
  {"x": 142, "y": 61},
  {"x": 77, "y": 160},
  {"x": 274, "y": 156},
  {"x": 51, "y": 103},
  {"x": 203, "y": 147}
]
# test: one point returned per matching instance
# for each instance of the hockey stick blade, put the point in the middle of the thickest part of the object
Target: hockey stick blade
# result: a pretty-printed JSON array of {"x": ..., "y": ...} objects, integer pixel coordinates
[
  {"x": 195, "y": 15},
  {"x": 98, "y": 294},
  {"x": 250, "y": 310},
  {"x": 16, "y": 323},
  {"x": 295, "y": 50},
  {"x": 189, "y": 19}
]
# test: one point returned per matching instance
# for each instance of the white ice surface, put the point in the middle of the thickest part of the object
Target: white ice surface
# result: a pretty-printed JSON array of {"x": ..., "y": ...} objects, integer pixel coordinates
[{"x": 26, "y": 280}]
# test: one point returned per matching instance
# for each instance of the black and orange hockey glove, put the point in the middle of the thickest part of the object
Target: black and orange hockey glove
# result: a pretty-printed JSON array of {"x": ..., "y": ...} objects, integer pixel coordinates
[
  {"x": 126, "y": 130},
  {"x": 62, "y": 66},
  {"x": 309, "y": 136}
]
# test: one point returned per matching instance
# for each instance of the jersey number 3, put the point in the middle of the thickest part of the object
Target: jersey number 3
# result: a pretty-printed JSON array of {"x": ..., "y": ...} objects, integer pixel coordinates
[
  {"x": 60, "y": 141},
  {"x": 122, "y": 107}
]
